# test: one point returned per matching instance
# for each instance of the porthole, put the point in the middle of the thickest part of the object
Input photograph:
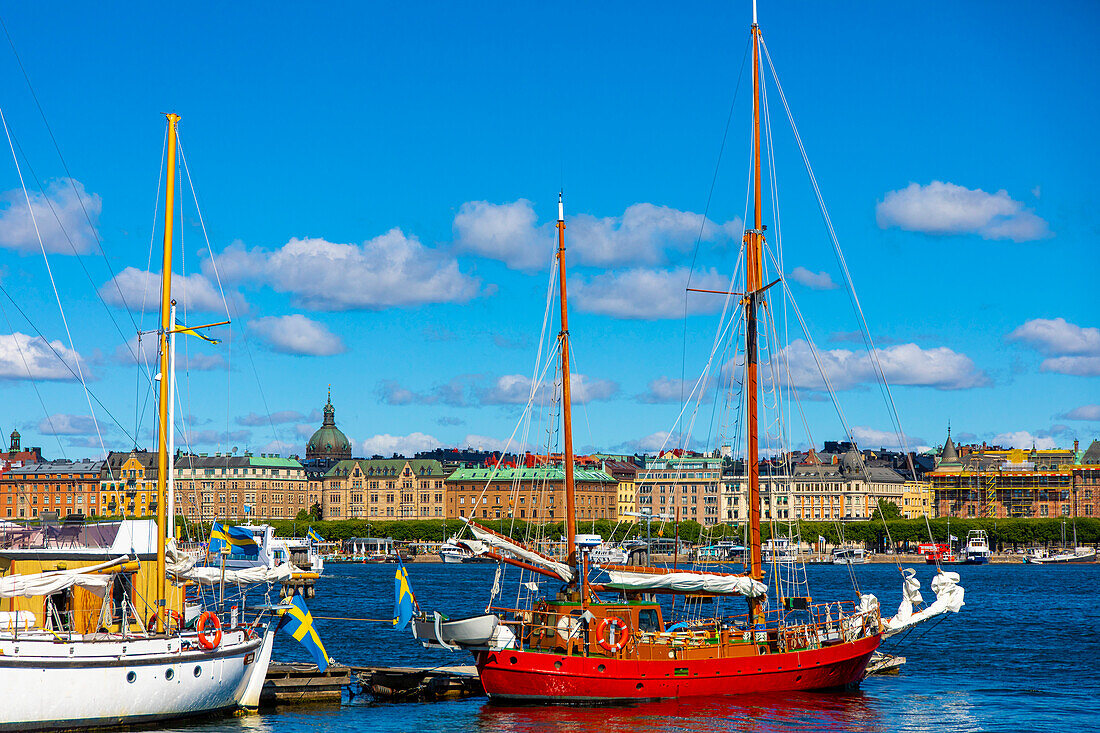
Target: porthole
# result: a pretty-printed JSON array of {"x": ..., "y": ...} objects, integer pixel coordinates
[
  {"x": 198, "y": 670},
  {"x": 169, "y": 673},
  {"x": 513, "y": 660},
  {"x": 601, "y": 668},
  {"x": 131, "y": 677},
  {"x": 557, "y": 664}
]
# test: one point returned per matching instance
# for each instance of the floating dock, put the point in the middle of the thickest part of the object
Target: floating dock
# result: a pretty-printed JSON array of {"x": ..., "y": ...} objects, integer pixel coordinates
[
  {"x": 414, "y": 684},
  {"x": 291, "y": 684}
]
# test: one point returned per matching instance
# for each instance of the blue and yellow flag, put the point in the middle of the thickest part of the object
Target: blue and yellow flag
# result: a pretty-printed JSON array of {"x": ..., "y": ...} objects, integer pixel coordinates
[
  {"x": 239, "y": 540},
  {"x": 314, "y": 536},
  {"x": 180, "y": 328},
  {"x": 298, "y": 622},
  {"x": 403, "y": 598}
]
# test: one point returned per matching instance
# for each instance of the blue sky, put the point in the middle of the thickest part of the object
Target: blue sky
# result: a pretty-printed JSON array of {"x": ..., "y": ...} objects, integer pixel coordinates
[{"x": 379, "y": 184}]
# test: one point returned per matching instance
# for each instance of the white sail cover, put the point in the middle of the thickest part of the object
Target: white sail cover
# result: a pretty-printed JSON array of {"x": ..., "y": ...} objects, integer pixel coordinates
[
  {"x": 687, "y": 583},
  {"x": 949, "y": 597},
  {"x": 55, "y": 581},
  {"x": 487, "y": 540},
  {"x": 182, "y": 567}
]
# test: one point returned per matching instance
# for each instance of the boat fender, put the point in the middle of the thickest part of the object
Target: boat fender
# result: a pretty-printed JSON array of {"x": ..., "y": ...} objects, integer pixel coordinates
[
  {"x": 617, "y": 638},
  {"x": 150, "y": 624},
  {"x": 205, "y": 641}
]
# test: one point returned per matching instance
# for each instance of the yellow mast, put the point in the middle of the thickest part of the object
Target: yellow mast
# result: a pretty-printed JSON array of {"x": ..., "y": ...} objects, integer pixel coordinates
[
  {"x": 163, "y": 459},
  {"x": 754, "y": 239},
  {"x": 566, "y": 402}
]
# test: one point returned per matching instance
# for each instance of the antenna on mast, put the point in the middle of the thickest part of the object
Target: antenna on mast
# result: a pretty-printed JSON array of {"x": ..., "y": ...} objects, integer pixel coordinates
[
  {"x": 561, "y": 209},
  {"x": 754, "y": 12}
]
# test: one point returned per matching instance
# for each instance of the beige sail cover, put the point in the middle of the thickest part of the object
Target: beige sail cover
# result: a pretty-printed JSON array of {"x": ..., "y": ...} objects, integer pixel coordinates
[{"x": 687, "y": 583}]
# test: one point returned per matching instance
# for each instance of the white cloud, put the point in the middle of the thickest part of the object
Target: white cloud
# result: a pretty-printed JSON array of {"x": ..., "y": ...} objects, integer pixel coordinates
[
  {"x": 947, "y": 208},
  {"x": 29, "y": 357},
  {"x": 253, "y": 419},
  {"x": 1071, "y": 349},
  {"x": 296, "y": 334},
  {"x": 404, "y": 445},
  {"x": 145, "y": 352},
  {"x": 648, "y": 294},
  {"x": 1023, "y": 439},
  {"x": 669, "y": 390},
  {"x": 501, "y": 445},
  {"x": 515, "y": 389},
  {"x": 642, "y": 235},
  {"x": 63, "y": 424},
  {"x": 903, "y": 364},
  {"x": 871, "y": 438},
  {"x": 392, "y": 270},
  {"x": 452, "y": 393},
  {"x": 1084, "y": 412},
  {"x": 194, "y": 292},
  {"x": 650, "y": 443},
  {"x": 812, "y": 280},
  {"x": 58, "y": 213},
  {"x": 1077, "y": 366},
  {"x": 213, "y": 437}
]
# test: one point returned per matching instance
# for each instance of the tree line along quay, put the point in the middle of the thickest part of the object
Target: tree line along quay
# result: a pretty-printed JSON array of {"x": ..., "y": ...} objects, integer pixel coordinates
[{"x": 1004, "y": 534}]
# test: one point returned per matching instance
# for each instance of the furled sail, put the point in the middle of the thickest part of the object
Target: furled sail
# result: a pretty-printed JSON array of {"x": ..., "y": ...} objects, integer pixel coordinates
[
  {"x": 55, "y": 581},
  {"x": 486, "y": 539},
  {"x": 687, "y": 583},
  {"x": 182, "y": 567},
  {"x": 949, "y": 597}
]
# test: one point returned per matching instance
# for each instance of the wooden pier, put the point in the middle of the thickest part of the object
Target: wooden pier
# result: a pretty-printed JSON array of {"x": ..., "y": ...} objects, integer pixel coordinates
[{"x": 299, "y": 683}]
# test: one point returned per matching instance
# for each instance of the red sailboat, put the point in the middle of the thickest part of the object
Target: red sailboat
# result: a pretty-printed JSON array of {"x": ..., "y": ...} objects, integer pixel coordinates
[{"x": 607, "y": 640}]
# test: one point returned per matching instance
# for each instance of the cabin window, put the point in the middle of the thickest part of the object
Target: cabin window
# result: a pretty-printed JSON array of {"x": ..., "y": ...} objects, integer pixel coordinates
[{"x": 648, "y": 620}]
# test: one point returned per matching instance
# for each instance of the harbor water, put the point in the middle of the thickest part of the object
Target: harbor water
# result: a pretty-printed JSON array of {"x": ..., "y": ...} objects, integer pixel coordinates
[{"x": 1021, "y": 656}]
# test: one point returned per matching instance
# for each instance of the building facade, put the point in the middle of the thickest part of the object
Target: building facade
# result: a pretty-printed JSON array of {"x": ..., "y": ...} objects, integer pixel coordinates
[
  {"x": 384, "y": 488},
  {"x": 238, "y": 488},
  {"x": 684, "y": 486},
  {"x": 534, "y": 494},
  {"x": 626, "y": 474},
  {"x": 54, "y": 488},
  {"x": 978, "y": 481},
  {"x": 128, "y": 485}
]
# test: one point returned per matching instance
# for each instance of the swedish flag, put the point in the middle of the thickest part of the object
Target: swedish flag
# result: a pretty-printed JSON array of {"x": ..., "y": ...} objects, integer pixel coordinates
[
  {"x": 180, "y": 328},
  {"x": 298, "y": 622},
  {"x": 312, "y": 535},
  {"x": 403, "y": 601},
  {"x": 239, "y": 540}
]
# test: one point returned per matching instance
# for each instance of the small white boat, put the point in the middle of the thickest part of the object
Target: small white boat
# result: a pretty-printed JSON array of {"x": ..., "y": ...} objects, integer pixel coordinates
[
  {"x": 779, "y": 550},
  {"x": 473, "y": 632},
  {"x": 451, "y": 552},
  {"x": 850, "y": 556},
  {"x": 608, "y": 554},
  {"x": 1077, "y": 555}
]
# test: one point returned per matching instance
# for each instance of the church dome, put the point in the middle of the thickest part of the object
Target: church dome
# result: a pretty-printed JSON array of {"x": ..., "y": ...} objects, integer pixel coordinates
[
  {"x": 850, "y": 461},
  {"x": 328, "y": 441}
]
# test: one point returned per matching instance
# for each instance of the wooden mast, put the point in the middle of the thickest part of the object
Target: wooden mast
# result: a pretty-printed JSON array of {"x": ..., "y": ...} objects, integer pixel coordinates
[
  {"x": 163, "y": 464},
  {"x": 566, "y": 402},
  {"x": 753, "y": 281}
]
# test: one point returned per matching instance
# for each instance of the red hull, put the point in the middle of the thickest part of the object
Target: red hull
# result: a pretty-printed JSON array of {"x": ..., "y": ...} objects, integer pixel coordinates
[{"x": 524, "y": 676}]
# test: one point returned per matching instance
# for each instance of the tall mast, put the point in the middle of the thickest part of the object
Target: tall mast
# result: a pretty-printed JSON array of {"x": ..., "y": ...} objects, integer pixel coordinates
[
  {"x": 163, "y": 466},
  {"x": 566, "y": 402},
  {"x": 754, "y": 239}
]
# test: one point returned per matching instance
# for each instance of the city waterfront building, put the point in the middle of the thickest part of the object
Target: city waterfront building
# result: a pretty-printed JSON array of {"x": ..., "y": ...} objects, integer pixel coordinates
[
  {"x": 239, "y": 488},
  {"x": 995, "y": 482},
  {"x": 535, "y": 494},
  {"x": 128, "y": 484},
  {"x": 626, "y": 474},
  {"x": 681, "y": 484},
  {"x": 384, "y": 488},
  {"x": 50, "y": 489}
]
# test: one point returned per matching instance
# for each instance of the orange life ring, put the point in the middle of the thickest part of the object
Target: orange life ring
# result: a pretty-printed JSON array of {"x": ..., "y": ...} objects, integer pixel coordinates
[
  {"x": 175, "y": 615},
  {"x": 606, "y": 641},
  {"x": 204, "y": 641}
]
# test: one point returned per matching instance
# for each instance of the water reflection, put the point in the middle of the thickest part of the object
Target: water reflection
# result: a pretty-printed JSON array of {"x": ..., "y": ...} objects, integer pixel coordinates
[{"x": 755, "y": 713}]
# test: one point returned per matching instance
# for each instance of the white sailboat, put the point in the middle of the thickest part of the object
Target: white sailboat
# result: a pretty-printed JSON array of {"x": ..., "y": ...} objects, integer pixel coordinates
[{"x": 91, "y": 633}]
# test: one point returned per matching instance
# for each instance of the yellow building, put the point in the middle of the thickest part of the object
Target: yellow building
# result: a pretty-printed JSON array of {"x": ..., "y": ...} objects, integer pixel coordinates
[
  {"x": 917, "y": 500},
  {"x": 626, "y": 474},
  {"x": 128, "y": 485}
]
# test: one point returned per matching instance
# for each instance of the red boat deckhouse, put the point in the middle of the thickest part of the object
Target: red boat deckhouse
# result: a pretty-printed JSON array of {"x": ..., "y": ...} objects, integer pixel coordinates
[{"x": 602, "y": 635}]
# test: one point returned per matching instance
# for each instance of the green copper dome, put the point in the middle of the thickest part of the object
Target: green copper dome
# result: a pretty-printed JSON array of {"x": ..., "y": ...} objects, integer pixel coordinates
[{"x": 328, "y": 441}]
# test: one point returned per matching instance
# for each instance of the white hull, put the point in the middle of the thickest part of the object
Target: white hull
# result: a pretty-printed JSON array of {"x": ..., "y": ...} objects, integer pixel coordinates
[
  {"x": 1081, "y": 556},
  {"x": 93, "y": 681}
]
